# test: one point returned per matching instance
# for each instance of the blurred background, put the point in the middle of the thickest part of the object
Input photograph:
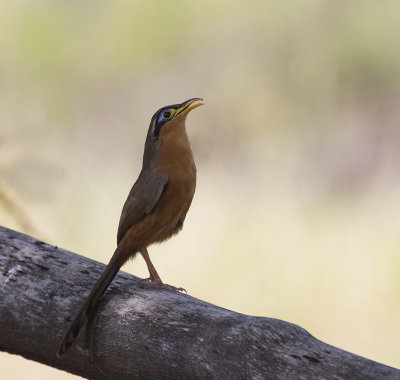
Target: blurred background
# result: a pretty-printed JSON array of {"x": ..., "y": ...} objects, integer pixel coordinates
[{"x": 297, "y": 209}]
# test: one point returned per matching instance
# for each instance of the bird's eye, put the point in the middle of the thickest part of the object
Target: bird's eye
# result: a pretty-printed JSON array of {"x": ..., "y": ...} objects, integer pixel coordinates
[{"x": 166, "y": 114}]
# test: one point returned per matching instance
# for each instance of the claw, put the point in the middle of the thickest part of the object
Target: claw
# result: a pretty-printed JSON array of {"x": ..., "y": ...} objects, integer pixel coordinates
[
  {"x": 157, "y": 283},
  {"x": 154, "y": 280}
]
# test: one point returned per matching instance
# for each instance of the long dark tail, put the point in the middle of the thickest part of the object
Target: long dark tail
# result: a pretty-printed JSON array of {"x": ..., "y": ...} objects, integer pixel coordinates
[{"x": 117, "y": 260}]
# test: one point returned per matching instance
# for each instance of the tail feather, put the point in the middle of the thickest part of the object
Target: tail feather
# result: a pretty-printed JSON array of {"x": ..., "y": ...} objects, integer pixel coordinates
[{"x": 117, "y": 260}]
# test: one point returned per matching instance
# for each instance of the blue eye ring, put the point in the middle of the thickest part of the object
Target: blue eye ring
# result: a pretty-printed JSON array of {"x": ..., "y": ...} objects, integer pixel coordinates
[{"x": 165, "y": 116}]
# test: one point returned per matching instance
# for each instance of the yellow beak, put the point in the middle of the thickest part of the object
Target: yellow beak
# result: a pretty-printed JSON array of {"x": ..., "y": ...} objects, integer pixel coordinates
[{"x": 189, "y": 105}]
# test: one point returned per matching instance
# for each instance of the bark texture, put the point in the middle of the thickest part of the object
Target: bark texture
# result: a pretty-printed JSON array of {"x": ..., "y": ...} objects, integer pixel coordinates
[{"x": 149, "y": 334}]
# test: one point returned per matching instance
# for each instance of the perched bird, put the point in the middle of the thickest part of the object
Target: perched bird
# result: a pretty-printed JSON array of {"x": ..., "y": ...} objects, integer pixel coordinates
[{"x": 156, "y": 206}]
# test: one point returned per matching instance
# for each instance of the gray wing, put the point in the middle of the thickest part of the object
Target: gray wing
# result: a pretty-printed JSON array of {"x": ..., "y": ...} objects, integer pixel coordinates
[{"x": 141, "y": 200}]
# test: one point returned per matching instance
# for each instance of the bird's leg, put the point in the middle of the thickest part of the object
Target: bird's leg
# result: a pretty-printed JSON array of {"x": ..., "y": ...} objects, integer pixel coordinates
[
  {"x": 154, "y": 278},
  {"x": 152, "y": 270}
]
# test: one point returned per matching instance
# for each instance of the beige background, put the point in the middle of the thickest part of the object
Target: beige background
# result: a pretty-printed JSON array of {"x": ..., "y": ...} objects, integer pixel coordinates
[{"x": 297, "y": 209}]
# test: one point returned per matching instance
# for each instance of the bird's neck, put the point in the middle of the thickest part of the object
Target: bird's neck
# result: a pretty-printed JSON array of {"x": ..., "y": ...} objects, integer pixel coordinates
[{"x": 175, "y": 149}]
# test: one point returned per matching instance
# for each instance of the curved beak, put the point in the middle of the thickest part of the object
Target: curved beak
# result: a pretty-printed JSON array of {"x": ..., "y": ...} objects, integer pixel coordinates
[{"x": 189, "y": 105}]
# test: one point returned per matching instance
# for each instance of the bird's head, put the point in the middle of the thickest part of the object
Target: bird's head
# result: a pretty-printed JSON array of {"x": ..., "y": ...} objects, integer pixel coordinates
[
  {"x": 167, "y": 121},
  {"x": 167, "y": 116}
]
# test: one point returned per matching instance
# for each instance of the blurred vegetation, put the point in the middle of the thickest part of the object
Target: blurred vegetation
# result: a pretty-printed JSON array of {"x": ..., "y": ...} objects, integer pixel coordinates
[{"x": 297, "y": 210}]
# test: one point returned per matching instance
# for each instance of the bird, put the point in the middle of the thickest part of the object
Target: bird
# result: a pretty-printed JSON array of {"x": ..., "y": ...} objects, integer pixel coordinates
[{"x": 155, "y": 208}]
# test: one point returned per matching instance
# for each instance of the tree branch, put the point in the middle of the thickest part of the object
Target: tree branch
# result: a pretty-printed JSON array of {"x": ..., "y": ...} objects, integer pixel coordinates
[{"x": 149, "y": 334}]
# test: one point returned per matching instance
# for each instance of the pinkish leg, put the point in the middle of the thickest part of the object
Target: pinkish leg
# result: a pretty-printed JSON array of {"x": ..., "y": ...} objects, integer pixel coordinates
[{"x": 154, "y": 279}]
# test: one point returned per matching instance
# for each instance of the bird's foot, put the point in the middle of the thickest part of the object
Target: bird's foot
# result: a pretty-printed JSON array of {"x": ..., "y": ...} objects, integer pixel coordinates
[{"x": 152, "y": 283}]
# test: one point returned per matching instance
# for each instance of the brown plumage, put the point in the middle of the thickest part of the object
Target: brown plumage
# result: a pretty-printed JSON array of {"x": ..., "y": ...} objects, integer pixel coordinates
[{"x": 156, "y": 206}]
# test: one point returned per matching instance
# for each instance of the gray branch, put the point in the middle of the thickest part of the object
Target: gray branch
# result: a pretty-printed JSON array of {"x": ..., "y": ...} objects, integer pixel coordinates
[{"x": 149, "y": 334}]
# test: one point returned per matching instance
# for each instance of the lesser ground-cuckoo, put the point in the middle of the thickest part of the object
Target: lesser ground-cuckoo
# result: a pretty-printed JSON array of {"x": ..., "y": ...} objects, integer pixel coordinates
[{"x": 156, "y": 206}]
